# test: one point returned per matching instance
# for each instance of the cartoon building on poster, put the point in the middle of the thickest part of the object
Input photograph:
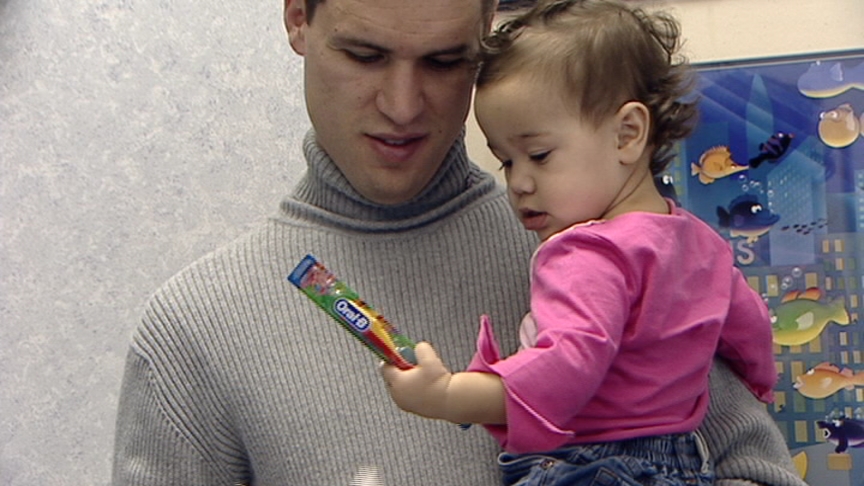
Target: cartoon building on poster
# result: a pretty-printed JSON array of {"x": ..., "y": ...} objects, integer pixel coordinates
[{"x": 776, "y": 165}]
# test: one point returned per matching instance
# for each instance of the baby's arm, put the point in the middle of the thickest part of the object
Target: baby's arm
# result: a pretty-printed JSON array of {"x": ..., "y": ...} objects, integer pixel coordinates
[
  {"x": 746, "y": 342},
  {"x": 431, "y": 390}
]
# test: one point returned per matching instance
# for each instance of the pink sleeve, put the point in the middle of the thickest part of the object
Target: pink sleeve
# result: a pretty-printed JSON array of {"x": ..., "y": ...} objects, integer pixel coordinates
[
  {"x": 580, "y": 316},
  {"x": 746, "y": 340}
]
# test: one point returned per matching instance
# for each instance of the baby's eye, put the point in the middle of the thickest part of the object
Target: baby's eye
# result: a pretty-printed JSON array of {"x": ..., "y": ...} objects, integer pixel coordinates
[
  {"x": 539, "y": 157},
  {"x": 505, "y": 164}
]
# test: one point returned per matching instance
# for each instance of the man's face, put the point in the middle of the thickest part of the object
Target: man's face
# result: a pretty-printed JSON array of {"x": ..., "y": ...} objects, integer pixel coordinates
[{"x": 388, "y": 86}]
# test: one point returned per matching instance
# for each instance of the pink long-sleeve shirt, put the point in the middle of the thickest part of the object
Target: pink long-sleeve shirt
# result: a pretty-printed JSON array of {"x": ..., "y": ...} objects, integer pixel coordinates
[{"x": 629, "y": 313}]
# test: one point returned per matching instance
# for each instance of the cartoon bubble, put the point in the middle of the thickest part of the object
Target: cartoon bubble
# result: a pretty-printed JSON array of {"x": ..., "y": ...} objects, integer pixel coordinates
[
  {"x": 839, "y": 127},
  {"x": 797, "y": 272},
  {"x": 756, "y": 185}
]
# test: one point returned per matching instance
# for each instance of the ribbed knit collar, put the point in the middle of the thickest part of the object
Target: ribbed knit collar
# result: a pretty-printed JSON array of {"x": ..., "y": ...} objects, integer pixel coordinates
[{"x": 325, "y": 194}]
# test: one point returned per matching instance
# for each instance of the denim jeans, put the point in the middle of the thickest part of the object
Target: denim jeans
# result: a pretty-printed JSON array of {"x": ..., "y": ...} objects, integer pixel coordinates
[{"x": 677, "y": 459}]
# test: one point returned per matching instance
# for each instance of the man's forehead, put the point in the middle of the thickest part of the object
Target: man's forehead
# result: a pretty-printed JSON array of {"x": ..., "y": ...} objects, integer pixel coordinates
[
  {"x": 482, "y": 6},
  {"x": 436, "y": 24},
  {"x": 405, "y": 47}
]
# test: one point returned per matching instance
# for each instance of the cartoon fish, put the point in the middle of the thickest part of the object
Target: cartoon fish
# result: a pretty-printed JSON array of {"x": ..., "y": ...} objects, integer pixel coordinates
[
  {"x": 715, "y": 163},
  {"x": 839, "y": 127},
  {"x": 845, "y": 432},
  {"x": 825, "y": 80},
  {"x": 746, "y": 217},
  {"x": 801, "y": 317},
  {"x": 807, "y": 228},
  {"x": 861, "y": 123},
  {"x": 772, "y": 149},
  {"x": 825, "y": 379}
]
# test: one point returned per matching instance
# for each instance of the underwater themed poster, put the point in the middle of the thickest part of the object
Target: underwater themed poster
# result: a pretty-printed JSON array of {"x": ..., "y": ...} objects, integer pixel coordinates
[{"x": 776, "y": 166}]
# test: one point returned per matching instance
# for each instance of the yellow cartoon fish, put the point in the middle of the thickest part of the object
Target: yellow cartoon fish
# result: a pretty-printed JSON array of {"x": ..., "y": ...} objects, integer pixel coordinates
[
  {"x": 801, "y": 317},
  {"x": 715, "y": 163},
  {"x": 826, "y": 379},
  {"x": 839, "y": 127}
]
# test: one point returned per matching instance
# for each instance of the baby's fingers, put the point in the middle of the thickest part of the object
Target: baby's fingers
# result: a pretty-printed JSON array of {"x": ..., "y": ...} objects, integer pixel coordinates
[
  {"x": 388, "y": 372},
  {"x": 426, "y": 354}
]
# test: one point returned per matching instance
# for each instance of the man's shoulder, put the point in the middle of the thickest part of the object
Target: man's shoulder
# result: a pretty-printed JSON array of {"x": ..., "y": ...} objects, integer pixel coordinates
[{"x": 219, "y": 274}]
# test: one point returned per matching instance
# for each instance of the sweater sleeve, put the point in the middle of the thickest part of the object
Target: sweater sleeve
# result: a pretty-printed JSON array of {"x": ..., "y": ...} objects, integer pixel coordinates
[
  {"x": 745, "y": 443},
  {"x": 149, "y": 448}
]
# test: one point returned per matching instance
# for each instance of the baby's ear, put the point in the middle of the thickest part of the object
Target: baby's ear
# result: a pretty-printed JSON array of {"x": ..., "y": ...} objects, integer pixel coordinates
[{"x": 634, "y": 124}]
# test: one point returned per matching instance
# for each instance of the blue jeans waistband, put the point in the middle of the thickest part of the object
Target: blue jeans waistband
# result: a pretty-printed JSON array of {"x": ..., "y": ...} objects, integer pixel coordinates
[{"x": 685, "y": 453}]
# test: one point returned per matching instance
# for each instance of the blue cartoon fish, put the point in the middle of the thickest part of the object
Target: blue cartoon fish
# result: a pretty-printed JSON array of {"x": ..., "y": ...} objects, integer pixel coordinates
[
  {"x": 772, "y": 149},
  {"x": 746, "y": 217},
  {"x": 802, "y": 316},
  {"x": 826, "y": 80},
  {"x": 845, "y": 432}
]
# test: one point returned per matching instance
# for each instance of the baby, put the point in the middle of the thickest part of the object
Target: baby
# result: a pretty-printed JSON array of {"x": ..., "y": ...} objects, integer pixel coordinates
[{"x": 631, "y": 296}]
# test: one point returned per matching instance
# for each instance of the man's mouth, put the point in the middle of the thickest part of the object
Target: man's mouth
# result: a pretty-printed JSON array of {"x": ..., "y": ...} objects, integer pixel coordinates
[
  {"x": 396, "y": 142},
  {"x": 396, "y": 149}
]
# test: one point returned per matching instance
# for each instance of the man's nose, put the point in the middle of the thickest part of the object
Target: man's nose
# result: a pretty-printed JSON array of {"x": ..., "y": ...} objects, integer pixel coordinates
[{"x": 401, "y": 96}]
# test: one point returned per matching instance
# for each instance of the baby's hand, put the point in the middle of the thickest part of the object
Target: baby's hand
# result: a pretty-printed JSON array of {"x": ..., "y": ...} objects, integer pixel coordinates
[{"x": 423, "y": 389}]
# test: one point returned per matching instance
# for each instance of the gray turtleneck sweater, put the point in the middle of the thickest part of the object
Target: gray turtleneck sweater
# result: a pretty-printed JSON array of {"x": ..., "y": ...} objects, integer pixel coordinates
[{"x": 234, "y": 377}]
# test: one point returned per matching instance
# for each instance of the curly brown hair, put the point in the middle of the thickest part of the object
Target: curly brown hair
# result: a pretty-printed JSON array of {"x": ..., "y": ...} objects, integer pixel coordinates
[{"x": 605, "y": 53}]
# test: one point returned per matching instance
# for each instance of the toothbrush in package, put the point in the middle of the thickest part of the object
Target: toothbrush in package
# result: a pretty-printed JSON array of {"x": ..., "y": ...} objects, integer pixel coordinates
[{"x": 344, "y": 305}]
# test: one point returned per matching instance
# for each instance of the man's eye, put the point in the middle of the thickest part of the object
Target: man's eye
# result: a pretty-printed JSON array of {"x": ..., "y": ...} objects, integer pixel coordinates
[
  {"x": 445, "y": 64},
  {"x": 539, "y": 157},
  {"x": 364, "y": 57}
]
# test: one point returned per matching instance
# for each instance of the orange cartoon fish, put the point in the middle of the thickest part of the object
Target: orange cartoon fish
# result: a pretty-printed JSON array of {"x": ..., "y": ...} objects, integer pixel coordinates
[
  {"x": 715, "y": 163},
  {"x": 826, "y": 379}
]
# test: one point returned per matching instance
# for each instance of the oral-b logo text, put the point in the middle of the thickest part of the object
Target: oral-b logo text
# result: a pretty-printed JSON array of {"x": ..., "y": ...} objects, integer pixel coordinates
[{"x": 351, "y": 314}]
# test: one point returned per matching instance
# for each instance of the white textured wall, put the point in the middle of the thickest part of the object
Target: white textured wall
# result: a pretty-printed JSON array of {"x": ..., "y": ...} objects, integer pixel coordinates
[{"x": 137, "y": 135}]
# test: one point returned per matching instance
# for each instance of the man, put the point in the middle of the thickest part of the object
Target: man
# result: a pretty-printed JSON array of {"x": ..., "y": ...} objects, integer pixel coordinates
[{"x": 234, "y": 377}]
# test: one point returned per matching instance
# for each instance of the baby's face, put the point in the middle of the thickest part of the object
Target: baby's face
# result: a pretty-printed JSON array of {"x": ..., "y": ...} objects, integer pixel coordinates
[{"x": 560, "y": 168}]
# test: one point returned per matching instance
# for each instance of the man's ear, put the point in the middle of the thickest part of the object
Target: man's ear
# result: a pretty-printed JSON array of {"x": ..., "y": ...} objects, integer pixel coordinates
[
  {"x": 634, "y": 125},
  {"x": 295, "y": 24}
]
